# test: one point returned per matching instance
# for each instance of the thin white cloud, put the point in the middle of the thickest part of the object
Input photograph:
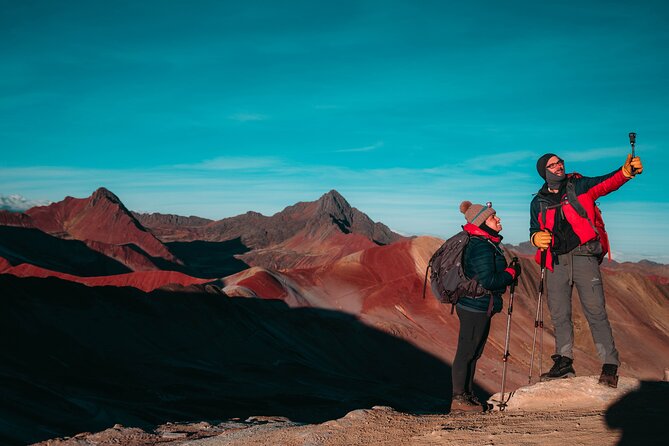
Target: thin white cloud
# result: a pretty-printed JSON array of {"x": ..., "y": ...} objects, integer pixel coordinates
[
  {"x": 491, "y": 162},
  {"x": 374, "y": 146},
  {"x": 247, "y": 117},
  {"x": 595, "y": 154},
  {"x": 232, "y": 163}
]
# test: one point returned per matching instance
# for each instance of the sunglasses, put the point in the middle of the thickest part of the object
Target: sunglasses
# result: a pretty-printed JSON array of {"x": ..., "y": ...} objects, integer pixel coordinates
[{"x": 559, "y": 162}]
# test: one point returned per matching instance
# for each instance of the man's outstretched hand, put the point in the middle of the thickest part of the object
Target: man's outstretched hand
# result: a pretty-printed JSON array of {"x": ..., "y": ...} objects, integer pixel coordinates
[{"x": 632, "y": 166}]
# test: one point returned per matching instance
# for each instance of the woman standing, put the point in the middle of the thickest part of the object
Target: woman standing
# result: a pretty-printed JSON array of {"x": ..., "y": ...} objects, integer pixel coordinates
[{"x": 483, "y": 261}]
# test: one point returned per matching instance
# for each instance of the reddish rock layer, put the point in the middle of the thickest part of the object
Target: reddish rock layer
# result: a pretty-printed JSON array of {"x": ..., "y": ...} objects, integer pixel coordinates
[{"x": 143, "y": 280}]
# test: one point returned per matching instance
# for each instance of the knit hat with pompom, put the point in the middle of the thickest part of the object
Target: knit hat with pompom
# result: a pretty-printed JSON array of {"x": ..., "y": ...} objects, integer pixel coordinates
[{"x": 476, "y": 214}]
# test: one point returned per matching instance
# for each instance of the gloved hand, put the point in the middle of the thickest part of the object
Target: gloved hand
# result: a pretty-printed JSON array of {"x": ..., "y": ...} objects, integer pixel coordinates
[
  {"x": 632, "y": 166},
  {"x": 516, "y": 268},
  {"x": 541, "y": 239}
]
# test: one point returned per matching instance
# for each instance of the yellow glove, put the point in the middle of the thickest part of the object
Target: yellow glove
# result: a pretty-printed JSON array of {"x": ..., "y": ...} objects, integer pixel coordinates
[
  {"x": 541, "y": 239},
  {"x": 632, "y": 166}
]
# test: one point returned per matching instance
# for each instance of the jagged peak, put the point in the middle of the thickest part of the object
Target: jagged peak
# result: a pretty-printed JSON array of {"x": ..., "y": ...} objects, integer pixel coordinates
[
  {"x": 334, "y": 203},
  {"x": 333, "y": 195},
  {"x": 103, "y": 193}
]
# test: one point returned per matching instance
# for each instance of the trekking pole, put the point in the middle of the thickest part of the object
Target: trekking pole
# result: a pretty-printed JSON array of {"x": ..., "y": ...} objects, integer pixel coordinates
[
  {"x": 541, "y": 333},
  {"x": 632, "y": 136},
  {"x": 539, "y": 317},
  {"x": 505, "y": 357}
]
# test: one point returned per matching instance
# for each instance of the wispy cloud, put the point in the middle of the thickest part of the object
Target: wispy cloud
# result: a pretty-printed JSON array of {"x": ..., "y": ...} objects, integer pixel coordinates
[
  {"x": 595, "y": 154},
  {"x": 374, "y": 146},
  {"x": 247, "y": 117},
  {"x": 495, "y": 161},
  {"x": 233, "y": 163}
]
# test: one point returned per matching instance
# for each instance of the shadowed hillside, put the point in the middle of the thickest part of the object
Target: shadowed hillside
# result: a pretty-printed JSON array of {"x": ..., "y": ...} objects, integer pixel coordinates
[
  {"x": 30, "y": 245},
  {"x": 75, "y": 358}
]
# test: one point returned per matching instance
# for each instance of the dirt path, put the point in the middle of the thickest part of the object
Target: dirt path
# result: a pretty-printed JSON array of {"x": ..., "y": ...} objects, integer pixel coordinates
[
  {"x": 379, "y": 426},
  {"x": 384, "y": 426}
]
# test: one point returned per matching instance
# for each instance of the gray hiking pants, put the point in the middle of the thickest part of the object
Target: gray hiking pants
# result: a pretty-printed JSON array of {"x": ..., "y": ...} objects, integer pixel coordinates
[{"x": 582, "y": 271}]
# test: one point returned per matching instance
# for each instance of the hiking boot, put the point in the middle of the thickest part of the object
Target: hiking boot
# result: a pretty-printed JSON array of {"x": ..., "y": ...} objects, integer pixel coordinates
[
  {"x": 463, "y": 403},
  {"x": 472, "y": 398},
  {"x": 609, "y": 375},
  {"x": 562, "y": 368}
]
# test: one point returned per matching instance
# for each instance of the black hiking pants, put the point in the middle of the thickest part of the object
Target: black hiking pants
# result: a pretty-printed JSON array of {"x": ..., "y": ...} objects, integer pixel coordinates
[{"x": 474, "y": 329}]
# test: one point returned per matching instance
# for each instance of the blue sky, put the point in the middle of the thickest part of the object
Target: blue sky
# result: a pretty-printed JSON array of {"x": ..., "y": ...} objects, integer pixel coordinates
[{"x": 214, "y": 108}]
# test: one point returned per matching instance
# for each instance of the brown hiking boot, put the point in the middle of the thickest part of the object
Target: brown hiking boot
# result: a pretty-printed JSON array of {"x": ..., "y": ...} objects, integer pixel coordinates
[
  {"x": 609, "y": 375},
  {"x": 465, "y": 403}
]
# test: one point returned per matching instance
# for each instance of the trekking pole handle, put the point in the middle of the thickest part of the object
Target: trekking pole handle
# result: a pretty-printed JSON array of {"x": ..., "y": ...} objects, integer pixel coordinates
[
  {"x": 514, "y": 261},
  {"x": 543, "y": 258}
]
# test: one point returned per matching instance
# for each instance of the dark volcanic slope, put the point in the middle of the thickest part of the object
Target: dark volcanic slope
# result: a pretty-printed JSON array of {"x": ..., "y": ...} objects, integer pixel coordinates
[
  {"x": 75, "y": 358},
  {"x": 210, "y": 259},
  {"x": 30, "y": 245}
]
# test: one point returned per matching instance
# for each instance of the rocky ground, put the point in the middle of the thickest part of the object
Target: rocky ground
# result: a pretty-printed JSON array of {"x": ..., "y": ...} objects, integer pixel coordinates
[{"x": 591, "y": 415}]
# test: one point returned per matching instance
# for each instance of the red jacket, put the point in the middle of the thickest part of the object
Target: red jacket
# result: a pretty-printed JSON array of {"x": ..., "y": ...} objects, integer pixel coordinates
[{"x": 588, "y": 189}]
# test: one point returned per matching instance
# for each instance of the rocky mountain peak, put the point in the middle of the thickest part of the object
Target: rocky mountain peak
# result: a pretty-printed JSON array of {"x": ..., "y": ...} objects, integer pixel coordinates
[
  {"x": 333, "y": 204},
  {"x": 104, "y": 194}
]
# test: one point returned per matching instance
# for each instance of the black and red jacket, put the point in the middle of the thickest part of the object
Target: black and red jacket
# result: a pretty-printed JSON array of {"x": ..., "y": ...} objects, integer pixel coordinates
[{"x": 567, "y": 226}]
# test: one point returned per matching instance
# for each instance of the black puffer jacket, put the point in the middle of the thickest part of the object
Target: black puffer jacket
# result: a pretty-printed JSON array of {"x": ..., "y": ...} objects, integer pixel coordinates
[{"x": 483, "y": 260}]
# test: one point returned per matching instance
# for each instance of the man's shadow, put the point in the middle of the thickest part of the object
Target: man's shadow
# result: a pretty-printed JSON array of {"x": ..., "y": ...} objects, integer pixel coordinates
[{"x": 642, "y": 415}]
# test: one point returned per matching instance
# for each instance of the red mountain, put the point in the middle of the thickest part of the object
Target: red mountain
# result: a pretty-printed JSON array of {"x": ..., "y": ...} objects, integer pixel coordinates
[
  {"x": 17, "y": 219},
  {"x": 103, "y": 223},
  {"x": 305, "y": 234}
]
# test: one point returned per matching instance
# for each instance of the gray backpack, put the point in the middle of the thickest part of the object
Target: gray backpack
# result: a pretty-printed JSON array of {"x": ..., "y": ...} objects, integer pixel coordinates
[{"x": 448, "y": 280}]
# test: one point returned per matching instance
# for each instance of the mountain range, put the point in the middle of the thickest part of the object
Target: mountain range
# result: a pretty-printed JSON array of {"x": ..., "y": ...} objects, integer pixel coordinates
[{"x": 116, "y": 316}]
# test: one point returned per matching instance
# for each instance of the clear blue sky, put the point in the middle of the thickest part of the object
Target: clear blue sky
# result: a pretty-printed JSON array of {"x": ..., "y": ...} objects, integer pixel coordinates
[{"x": 214, "y": 108}]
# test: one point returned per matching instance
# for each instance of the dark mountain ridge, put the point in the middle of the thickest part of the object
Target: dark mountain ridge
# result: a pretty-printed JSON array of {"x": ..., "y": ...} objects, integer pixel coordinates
[{"x": 255, "y": 230}]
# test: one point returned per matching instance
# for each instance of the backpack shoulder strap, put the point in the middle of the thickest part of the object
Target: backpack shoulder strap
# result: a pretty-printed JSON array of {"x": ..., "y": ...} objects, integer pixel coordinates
[{"x": 573, "y": 200}]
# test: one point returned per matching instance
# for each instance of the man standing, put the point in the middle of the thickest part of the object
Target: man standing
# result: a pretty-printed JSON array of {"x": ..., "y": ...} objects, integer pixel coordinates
[{"x": 563, "y": 224}]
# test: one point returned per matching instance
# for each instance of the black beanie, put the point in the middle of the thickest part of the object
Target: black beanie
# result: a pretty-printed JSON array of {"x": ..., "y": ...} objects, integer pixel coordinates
[{"x": 541, "y": 164}]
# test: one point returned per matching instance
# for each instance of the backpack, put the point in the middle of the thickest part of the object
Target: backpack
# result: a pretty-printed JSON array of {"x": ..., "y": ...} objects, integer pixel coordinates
[
  {"x": 448, "y": 280},
  {"x": 597, "y": 224}
]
